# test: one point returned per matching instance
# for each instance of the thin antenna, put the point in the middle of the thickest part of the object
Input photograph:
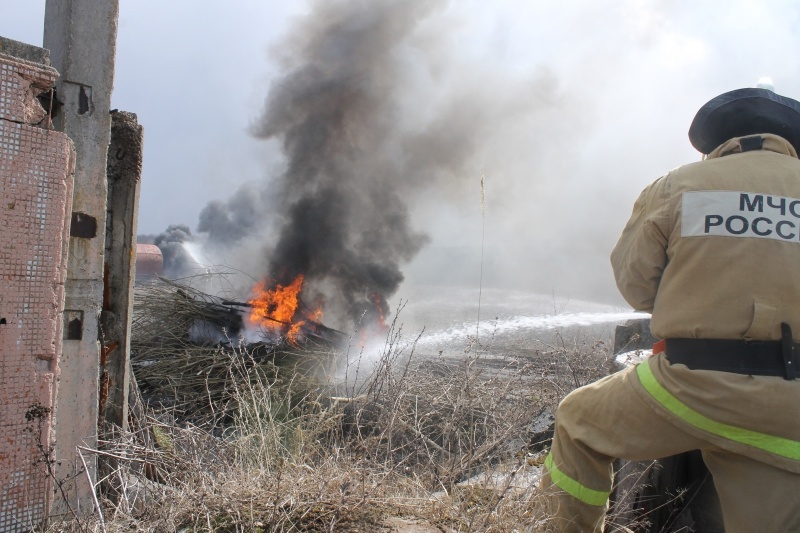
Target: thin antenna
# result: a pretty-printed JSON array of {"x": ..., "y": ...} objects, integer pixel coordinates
[{"x": 483, "y": 236}]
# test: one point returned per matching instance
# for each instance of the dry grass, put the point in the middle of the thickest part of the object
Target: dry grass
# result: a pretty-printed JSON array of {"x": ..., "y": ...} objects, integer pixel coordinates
[{"x": 254, "y": 443}]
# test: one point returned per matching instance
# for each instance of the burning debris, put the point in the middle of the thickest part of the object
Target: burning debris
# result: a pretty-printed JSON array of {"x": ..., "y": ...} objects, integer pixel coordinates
[
  {"x": 167, "y": 309},
  {"x": 185, "y": 343},
  {"x": 280, "y": 309}
]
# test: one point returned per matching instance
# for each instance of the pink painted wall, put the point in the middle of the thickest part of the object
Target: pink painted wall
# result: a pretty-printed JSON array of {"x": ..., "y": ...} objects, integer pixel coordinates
[{"x": 36, "y": 176}]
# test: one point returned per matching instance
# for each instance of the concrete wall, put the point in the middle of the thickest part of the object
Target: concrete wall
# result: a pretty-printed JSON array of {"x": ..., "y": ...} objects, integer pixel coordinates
[
  {"x": 81, "y": 36},
  {"x": 124, "y": 174},
  {"x": 36, "y": 180}
]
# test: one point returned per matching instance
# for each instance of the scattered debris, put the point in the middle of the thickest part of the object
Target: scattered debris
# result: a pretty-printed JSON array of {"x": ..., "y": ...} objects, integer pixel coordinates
[{"x": 184, "y": 343}]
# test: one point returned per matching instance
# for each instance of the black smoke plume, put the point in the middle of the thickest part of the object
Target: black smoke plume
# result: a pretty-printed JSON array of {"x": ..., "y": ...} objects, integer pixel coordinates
[
  {"x": 340, "y": 206},
  {"x": 177, "y": 260}
]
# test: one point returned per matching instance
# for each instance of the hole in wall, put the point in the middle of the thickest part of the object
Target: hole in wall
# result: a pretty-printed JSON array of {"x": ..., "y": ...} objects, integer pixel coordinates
[
  {"x": 83, "y": 225},
  {"x": 50, "y": 102},
  {"x": 83, "y": 101},
  {"x": 73, "y": 325}
]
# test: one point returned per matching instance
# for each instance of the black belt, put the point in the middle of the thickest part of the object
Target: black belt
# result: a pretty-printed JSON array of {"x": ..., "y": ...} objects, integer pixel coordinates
[{"x": 755, "y": 358}]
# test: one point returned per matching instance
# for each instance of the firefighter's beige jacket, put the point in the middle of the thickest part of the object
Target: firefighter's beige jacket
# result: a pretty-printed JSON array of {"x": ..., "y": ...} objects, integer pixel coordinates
[
  {"x": 720, "y": 287},
  {"x": 727, "y": 275}
]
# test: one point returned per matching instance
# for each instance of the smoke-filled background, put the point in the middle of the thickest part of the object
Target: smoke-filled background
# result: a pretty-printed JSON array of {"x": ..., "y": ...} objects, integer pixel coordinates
[
  {"x": 340, "y": 213},
  {"x": 347, "y": 139}
]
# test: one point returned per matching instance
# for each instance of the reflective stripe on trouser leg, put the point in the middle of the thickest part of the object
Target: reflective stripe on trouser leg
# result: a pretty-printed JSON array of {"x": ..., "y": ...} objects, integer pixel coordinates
[
  {"x": 755, "y": 495},
  {"x": 573, "y": 487},
  {"x": 594, "y": 425},
  {"x": 777, "y": 445}
]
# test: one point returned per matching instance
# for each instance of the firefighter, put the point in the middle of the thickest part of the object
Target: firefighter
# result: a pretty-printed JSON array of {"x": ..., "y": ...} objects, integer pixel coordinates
[{"x": 712, "y": 251}]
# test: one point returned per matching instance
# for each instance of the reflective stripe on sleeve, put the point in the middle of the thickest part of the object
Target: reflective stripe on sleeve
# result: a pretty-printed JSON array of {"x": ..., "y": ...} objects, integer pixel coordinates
[
  {"x": 776, "y": 445},
  {"x": 572, "y": 487}
]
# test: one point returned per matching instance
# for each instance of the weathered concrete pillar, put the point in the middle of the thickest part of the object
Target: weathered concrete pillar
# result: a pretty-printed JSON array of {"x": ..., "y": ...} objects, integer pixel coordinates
[
  {"x": 36, "y": 166},
  {"x": 81, "y": 36},
  {"x": 124, "y": 173}
]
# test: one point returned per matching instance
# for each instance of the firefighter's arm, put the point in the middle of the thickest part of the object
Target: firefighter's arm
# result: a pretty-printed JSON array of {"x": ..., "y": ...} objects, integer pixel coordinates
[{"x": 640, "y": 255}]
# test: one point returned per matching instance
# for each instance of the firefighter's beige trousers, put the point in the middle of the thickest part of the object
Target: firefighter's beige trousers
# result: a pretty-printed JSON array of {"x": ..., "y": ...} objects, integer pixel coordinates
[{"x": 608, "y": 419}]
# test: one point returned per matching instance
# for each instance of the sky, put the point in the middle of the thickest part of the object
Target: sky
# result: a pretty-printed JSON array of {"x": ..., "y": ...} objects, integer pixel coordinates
[{"x": 566, "y": 109}]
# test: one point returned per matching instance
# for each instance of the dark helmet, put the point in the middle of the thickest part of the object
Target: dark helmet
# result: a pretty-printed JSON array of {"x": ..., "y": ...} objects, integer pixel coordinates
[{"x": 745, "y": 112}]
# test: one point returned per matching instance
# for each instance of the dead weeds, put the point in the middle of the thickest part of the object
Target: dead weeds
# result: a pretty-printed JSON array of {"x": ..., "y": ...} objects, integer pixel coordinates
[{"x": 338, "y": 446}]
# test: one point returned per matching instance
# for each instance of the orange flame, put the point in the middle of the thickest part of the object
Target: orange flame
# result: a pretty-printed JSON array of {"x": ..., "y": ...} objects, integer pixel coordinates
[
  {"x": 376, "y": 325},
  {"x": 316, "y": 316},
  {"x": 377, "y": 299},
  {"x": 276, "y": 305},
  {"x": 294, "y": 331},
  {"x": 278, "y": 309}
]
